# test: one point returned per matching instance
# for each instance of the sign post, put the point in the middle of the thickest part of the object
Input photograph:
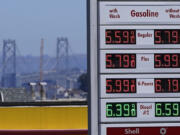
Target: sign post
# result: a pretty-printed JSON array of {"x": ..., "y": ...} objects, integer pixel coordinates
[{"x": 134, "y": 67}]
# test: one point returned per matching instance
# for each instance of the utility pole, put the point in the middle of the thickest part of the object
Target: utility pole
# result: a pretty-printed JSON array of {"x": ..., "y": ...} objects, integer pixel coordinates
[
  {"x": 41, "y": 83},
  {"x": 41, "y": 59}
]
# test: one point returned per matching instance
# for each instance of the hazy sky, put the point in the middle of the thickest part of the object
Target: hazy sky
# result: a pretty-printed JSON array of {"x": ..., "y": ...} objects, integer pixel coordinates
[{"x": 27, "y": 21}]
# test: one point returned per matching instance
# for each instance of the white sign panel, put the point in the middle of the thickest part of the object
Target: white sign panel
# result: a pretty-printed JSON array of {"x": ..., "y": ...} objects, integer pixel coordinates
[{"x": 138, "y": 12}]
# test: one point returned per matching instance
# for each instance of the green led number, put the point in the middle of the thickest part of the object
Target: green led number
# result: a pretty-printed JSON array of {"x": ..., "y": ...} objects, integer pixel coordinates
[
  {"x": 109, "y": 111},
  {"x": 133, "y": 110},
  {"x": 175, "y": 109},
  {"x": 158, "y": 110},
  {"x": 168, "y": 109},
  {"x": 118, "y": 110},
  {"x": 126, "y": 110}
]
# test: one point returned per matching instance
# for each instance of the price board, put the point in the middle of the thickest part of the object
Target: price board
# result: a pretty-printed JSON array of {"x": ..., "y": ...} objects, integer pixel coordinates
[
  {"x": 139, "y": 61},
  {"x": 140, "y": 110},
  {"x": 141, "y": 85},
  {"x": 151, "y": 36},
  {"x": 134, "y": 67}
]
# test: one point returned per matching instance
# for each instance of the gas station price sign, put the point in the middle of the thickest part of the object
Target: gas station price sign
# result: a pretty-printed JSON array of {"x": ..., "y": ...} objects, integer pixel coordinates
[
  {"x": 139, "y": 61},
  {"x": 150, "y": 36},
  {"x": 161, "y": 60},
  {"x": 128, "y": 109},
  {"x": 140, "y": 110},
  {"x": 135, "y": 67},
  {"x": 126, "y": 85},
  {"x": 143, "y": 85},
  {"x": 128, "y": 36}
]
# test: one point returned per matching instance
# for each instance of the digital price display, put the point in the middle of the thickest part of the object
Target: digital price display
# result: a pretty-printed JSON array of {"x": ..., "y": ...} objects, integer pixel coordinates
[
  {"x": 142, "y": 85},
  {"x": 166, "y": 60},
  {"x": 119, "y": 36},
  {"x": 139, "y": 61},
  {"x": 167, "y": 109},
  {"x": 140, "y": 109},
  {"x": 167, "y": 85},
  {"x": 120, "y": 85},
  {"x": 162, "y": 109},
  {"x": 166, "y": 36},
  {"x": 120, "y": 60},
  {"x": 129, "y": 60},
  {"x": 121, "y": 109},
  {"x": 128, "y": 36}
]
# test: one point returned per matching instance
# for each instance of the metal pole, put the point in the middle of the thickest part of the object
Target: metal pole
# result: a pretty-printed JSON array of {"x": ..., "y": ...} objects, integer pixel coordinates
[{"x": 92, "y": 67}]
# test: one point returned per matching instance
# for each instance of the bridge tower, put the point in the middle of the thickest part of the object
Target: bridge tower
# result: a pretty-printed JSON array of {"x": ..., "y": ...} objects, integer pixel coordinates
[
  {"x": 9, "y": 64},
  {"x": 62, "y": 54}
]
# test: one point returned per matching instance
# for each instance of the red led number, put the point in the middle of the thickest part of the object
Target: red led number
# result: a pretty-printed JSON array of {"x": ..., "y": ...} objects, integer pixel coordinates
[
  {"x": 120, "y": 86},
  {"x": 166, "y": 60},
  {"x": 175, "y": 60},
  {"x": 115, "y": 36},
  {"x": 157, "y": 61},
  {"x": 167, "y": 36},
  {"x": 120, "y": 60},
  {"x": 108, "y": 61},
  {"x": 175, "y": 37},
  {"x": 118, "y": 37},
  {"x": 133, "y": 37},
  {"x": 158, "y": 87},
  {"x": 174, "y": 84},
  {"x": 167, "y": 85},
  {"x": 133, "y": 86},
  {"x": 157, "y": 37},
  {"x": 126, "y": 37},
  {"x": 126, "y": 61},
  {"x": 108, "y": 37}
]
